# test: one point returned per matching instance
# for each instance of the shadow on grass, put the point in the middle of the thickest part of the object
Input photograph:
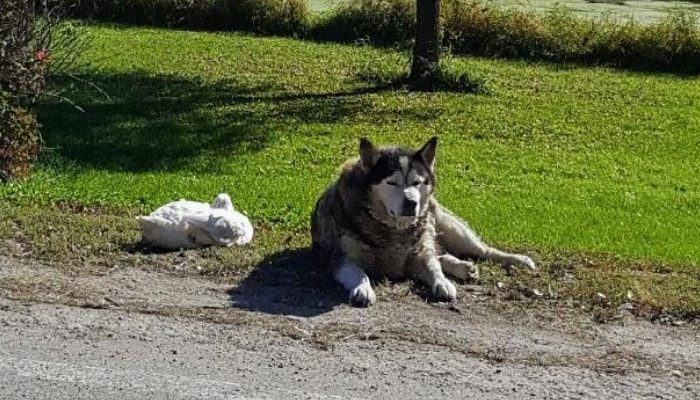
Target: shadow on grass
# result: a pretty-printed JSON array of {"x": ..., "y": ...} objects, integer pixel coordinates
[
  {"x": 142, "y": 247},
  {"x": 287, "y": 283},
  {"x": 166, "y": 123}
]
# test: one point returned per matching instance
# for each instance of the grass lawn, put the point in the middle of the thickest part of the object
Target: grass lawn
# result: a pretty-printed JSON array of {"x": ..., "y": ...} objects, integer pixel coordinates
[{"x": 594, "y": 170}]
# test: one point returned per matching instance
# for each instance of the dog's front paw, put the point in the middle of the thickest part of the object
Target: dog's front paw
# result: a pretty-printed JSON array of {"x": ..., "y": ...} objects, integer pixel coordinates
[
  {"x": 363, "y": 295},
  {"x": 524, "y": 261},
  {"x": 463, "y": 270},
  {"x": 444, "y": 290}
]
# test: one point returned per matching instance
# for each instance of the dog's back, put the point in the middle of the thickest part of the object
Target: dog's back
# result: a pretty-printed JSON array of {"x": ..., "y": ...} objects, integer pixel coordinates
[{"x": 328, "y": 220}]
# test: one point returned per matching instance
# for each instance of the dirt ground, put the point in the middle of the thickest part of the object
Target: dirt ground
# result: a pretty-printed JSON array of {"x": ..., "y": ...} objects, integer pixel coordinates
[{"x": 145, "y": 333}]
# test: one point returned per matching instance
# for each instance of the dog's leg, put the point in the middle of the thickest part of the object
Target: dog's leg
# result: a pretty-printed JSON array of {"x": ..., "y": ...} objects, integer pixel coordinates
[
  {"x": 461, "y": 240},
  {"x": 460, "y": 269},
  {"x": 427, "y": 269},
  {"x": 355, "y": 281}
]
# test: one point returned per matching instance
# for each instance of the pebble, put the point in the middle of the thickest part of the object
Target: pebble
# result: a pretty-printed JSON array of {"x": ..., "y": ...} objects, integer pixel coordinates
[{"x": 626, "y": 307}]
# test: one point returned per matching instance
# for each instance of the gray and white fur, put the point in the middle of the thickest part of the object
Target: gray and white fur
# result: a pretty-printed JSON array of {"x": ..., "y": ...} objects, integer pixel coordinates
[{"x": 380, "y": 219}]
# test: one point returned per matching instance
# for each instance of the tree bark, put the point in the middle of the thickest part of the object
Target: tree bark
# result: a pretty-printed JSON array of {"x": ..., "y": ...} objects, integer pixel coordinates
[{"x": 426, "y": 48}]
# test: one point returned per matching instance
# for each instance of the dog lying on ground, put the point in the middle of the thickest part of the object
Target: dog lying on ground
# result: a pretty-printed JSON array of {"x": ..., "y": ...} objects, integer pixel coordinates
[
  {"x": 187, "y": 224},
  {"x": 380, "y": 219}
]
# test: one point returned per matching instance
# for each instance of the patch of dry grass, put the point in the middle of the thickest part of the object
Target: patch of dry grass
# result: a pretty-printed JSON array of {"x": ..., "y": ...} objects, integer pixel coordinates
[
  {"x": 602, "y": 283},
  {"x": 97, "y": 240}
]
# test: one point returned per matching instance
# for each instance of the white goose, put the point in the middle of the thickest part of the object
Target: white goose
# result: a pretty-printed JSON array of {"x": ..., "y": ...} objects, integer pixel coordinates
[{"x": 191, "y": 224}]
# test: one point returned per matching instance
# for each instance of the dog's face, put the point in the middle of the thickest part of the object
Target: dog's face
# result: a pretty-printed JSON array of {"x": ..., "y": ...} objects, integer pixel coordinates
[{"x": 400, "y": 181}]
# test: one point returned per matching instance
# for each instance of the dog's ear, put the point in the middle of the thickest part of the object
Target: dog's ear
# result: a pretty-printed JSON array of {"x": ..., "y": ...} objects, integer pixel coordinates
[
  {"x": 427, "y": 152},
  {"x": 368, "y": 153}
]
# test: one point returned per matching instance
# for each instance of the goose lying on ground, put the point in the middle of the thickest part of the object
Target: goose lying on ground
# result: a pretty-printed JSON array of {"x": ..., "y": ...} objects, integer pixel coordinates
[{"x": 192, "y": 224}]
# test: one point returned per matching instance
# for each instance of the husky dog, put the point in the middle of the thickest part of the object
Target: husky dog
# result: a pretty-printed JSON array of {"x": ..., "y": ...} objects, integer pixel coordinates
[{"x": 380, "y": 219}]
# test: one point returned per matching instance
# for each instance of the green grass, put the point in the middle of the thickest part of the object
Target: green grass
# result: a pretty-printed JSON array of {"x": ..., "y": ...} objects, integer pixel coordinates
[{"x": 555, "y": 159}]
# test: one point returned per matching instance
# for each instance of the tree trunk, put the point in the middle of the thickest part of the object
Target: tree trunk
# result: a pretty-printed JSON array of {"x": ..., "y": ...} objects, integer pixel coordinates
[{"x": 426, "y": 49}]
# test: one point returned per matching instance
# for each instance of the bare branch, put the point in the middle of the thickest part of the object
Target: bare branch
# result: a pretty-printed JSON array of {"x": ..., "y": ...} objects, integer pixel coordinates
[{"x": 66, "y": 100}]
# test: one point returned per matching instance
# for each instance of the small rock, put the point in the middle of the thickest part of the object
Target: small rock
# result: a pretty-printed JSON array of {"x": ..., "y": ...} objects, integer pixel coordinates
[
  {"x": 474, "y": 288},
  {"x": 454, "y": 308},
  {"x": 568, "y": 277},
  {"x": 629, "y": 296},
  {"x": 600, "y": 296},
  {"x": 447, "y": 306},
  {"x": 678, "y": 322},
  {"x": 626, "y": 307},
  {"x": 537, "y": 293},
  {"x": 677, "y": 373},
  {"x": 362, "y": 42},
  {"x": 500, "y": 285}
]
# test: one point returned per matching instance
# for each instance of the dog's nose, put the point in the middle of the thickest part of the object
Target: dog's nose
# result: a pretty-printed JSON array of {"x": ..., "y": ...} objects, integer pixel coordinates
[{"x": 409, "y": 208}]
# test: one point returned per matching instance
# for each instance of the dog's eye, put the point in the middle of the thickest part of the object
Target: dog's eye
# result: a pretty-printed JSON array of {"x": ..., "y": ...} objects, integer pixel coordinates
[
  {"x": 416, "y": 183},
  {"x": 391, "y": 183}
]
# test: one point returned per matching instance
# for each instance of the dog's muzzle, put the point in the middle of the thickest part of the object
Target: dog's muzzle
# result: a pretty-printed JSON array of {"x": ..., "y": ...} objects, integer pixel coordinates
[{"x": 410, "y": 208}]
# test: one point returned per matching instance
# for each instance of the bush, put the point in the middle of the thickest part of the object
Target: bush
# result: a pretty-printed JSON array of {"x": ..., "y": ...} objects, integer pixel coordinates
[
  {"x": 21, "y": 83},
  {"x": 32, "y": 39},
  {"x": 468, "y": 26},
  {"x": 21, "y": 70},
  {"x": 18, "y": 141},
  {"x": 471, "y": 27},
  {"x": 371, "y": 21},
  {"x": 672, "y": 44},
  {"x": 284, "y": 17}
]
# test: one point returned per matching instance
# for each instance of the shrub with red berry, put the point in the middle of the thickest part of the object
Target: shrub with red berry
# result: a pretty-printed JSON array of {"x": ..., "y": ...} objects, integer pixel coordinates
[{"x": 29, "y": 31}]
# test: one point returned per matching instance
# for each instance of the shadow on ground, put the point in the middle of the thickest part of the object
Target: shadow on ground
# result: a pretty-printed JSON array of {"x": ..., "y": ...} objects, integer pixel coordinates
[
  {"x": 142, "y": 247},
  {"x": 141, "y": 123},
  {"x": 287, "y": 283}
]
